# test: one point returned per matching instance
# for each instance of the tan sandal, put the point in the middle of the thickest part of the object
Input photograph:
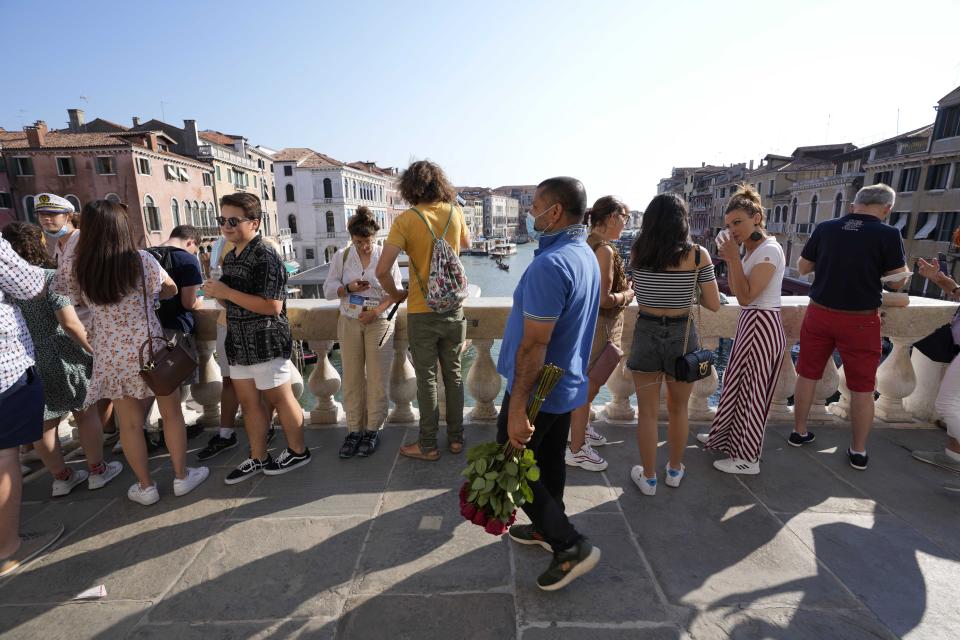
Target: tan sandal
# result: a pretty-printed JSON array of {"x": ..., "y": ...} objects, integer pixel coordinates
[
  {"x": 456, "y": 446},
  {"x": 414, "y": 451}
]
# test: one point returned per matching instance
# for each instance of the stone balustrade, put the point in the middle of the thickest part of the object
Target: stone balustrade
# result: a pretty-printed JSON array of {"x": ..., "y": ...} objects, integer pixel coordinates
[{"x": 907, "y": 384}]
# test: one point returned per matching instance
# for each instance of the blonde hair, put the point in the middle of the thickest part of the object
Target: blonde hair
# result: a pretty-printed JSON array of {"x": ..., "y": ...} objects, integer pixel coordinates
[{"x": 747, "y": 199}]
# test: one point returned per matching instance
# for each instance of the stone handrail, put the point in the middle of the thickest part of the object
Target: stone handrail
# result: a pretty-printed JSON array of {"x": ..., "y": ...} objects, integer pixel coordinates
[{"x": 907, "y": 384}]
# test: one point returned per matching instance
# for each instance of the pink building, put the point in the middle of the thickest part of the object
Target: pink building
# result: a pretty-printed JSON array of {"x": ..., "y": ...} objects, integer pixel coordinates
[
  {"x": 161, "y": 189},
  {"x": 6, "y": 200}
]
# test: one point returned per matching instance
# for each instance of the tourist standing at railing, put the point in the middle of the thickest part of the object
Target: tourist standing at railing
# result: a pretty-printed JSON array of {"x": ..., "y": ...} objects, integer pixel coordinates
[
  {"x": 607, "y": 219},
  {"x": 21, "y": 405},
  {"x": 759, "y": 343},
  {"x": 364, "y": 332},
  {"x": 667, "y": 272},
  {"x": 110, "y": 275},
  {"x": 64, "y": 361},
  {"x": 849, "y": 256},
  {"x": 948, "y": 398},
  {"x": 432, "y": 335},
  {"x": 552, "y": 321},
  {"x": 258, "y": 341}
]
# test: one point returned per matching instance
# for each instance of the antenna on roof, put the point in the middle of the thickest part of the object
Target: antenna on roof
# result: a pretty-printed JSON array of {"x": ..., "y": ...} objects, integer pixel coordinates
[
  {"x": 163, "y": 115},
  {"x": 85, "y": 99},
  {"x": 898, "y": 122}
]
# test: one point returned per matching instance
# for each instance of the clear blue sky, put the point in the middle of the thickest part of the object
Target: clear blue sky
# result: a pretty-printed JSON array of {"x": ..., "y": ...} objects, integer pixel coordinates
[{"x": 498, "y": 93}]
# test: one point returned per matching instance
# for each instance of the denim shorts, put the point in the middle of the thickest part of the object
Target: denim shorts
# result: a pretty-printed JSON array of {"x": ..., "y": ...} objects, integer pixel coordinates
[{"x": 658, "y": 342}]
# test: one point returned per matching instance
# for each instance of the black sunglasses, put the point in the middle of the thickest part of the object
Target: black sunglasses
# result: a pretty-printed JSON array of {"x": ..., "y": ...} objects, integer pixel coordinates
[{"x": 233, "y": 222}]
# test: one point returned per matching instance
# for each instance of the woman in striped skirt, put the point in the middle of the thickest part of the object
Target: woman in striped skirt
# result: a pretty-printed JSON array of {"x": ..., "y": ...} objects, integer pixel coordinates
[{"x": 759, "y": 344}]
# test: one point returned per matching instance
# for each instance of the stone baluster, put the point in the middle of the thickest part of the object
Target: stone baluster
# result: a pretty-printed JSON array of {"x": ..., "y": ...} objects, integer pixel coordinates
[
  {"x": 621, "y": 387},
  {"x": 841, "y": 408},
  {"x": 403, "y": 383},
  {"x": 895, "y": 381},
  {"x": 207, "y": 390},
  {"x": 920, "y": 403},
  {"x": 324, "y": 383},
  {"x": 826, "y": 387},
  {"x": 483, "y": 382},
  {"x": 700, "y": 409},
  {"x": 780, "y": 409}
]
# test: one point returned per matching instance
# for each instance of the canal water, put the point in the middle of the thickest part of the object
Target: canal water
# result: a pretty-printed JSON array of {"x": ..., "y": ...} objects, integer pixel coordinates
[{"x": 493, "y": 282}]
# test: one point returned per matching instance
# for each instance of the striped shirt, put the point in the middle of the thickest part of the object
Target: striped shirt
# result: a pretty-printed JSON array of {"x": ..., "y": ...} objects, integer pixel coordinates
[{"x": 667, "y": 289}]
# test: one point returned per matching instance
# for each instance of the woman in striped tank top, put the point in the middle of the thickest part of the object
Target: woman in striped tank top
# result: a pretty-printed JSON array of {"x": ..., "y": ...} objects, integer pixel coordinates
[
  {"x": 759, "y": 344},
  {"x": 667, "y": 270}
]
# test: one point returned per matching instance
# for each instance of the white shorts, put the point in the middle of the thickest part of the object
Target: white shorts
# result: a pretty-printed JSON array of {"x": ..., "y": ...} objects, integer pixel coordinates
[
  {"x": 222, "y": 352},
  {"x": 266, "y": 375}
]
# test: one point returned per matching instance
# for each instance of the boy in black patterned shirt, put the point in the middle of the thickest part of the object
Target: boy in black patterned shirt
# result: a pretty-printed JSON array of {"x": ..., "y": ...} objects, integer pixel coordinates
[{"x": 253, "y": 291}]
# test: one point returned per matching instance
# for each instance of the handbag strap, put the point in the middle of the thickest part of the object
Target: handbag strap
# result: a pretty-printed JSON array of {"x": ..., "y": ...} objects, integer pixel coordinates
[
  {"x": 693, "y": 301},
  {"x": 146, "y": 307}
]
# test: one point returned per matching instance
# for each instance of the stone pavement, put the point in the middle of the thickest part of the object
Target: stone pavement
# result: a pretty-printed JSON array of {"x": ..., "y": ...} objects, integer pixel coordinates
[{"x": 376, "y": 548}]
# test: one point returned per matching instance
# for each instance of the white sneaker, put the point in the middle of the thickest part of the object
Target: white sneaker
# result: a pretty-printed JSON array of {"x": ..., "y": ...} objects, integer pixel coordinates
[
  {"x": 586, "y": 458},
  {"x": 146, "y": 497},
  {"x": 594, "y": 439},
  {"x": 736, "y": 465},
  {"x": 100, "y": 480},
  {"x": 63, "y": 487},
  {"x": 648, "y": 486},
  {"x": 195, "y": 476},
  {"x": 703, "y": 437},
  {"x": 674, "y": 476}
]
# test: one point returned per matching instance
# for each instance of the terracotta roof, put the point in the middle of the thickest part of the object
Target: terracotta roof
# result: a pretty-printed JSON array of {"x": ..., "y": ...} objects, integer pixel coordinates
[
  {"x": 306, "y": 158},
  {"x": 370, "y": 167},
  {"x": 217, "y": 138},
  {"x": 59, "y": 140},
  {"x": 291, "y": 154}
]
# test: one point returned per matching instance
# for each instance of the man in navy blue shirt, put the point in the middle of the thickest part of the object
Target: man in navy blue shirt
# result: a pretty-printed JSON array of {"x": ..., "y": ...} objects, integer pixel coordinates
[
  {"x": 552, "y": 321},
  {"x": 178, "y": 257},
  {"x": 849, "y": 255}
]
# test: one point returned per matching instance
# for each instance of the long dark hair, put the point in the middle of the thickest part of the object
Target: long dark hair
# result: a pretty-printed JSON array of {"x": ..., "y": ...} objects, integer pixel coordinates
[
  {"x": 664, "y": 236},
  {"x": 27, "y": 240},
  {"x": 106, "y": 264}
]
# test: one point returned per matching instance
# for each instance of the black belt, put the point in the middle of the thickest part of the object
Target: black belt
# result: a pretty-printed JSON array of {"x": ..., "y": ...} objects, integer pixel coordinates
[{"x": 661, "y": 319}]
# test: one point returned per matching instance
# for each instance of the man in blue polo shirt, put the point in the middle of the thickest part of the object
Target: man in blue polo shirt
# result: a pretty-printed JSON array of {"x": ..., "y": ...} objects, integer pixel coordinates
[{"x": 552, "y": 321}]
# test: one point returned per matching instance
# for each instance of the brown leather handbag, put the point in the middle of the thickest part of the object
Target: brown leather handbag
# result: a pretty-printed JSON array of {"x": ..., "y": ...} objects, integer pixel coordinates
[
  {"x": 167, "y": 368},
  {"x": 606, "y": 363}
]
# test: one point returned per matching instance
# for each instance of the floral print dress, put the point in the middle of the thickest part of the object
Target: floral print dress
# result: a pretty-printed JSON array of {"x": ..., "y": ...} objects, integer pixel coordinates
[{"x": 119, "y": 330}]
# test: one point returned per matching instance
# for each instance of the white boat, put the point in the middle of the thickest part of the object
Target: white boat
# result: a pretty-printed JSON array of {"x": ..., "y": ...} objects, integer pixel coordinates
[
  {"x": 481, "y": 247},
  {"x": 503, "y": 247}
]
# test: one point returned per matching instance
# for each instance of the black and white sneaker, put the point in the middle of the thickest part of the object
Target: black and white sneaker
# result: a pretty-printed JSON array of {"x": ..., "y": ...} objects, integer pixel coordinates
[
  {"x": 217, "y": 445},
  {"x": 247, "y": 469},
  {"x": 368, "y": 443},
  {"x": 857, "y": 460},
  {"x": 798, "y": 440},
  {"x": 287, "y": 461}
]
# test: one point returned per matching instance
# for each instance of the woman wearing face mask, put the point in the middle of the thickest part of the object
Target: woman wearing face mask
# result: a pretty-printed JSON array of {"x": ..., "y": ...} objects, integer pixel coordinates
[
  {"x": 364, "y": 332},
  {"x": 607, "y": 219},
  {"x": 759, "y": 343}
]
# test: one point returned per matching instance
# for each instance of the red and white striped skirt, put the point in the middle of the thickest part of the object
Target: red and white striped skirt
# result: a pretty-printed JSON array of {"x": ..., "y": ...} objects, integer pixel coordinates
[{"x": 748, "y": 384}]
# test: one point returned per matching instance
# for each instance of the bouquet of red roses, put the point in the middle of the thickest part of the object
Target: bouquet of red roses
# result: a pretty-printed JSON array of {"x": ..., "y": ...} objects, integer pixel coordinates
[{"x": 499, "y": 476}]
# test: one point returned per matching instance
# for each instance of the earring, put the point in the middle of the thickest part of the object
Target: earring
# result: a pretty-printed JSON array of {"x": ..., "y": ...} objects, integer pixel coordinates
[{"x": 756, "y": 236}]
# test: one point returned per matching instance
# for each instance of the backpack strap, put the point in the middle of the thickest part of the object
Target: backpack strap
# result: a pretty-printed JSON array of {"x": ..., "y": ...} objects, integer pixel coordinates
[
  {"x": 345, "y": 254},
  {"x": 429, "y": 228}
]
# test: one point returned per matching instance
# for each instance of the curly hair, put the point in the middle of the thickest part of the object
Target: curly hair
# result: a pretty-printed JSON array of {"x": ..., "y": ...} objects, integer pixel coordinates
[
  {"x": 747, "y": 199},
  {"x": 362, "y": 224},
  {"x": 425, "y": 182},
  {"x": 28, "y": 241}
]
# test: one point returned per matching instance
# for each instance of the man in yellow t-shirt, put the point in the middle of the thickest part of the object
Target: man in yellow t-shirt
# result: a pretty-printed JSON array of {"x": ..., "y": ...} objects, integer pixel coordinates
[{"x": 433, "y": 336}]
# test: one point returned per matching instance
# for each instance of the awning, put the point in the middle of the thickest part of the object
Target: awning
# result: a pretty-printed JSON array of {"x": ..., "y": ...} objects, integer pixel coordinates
[
  {"x": 184, "y": 176},
  {"x": 901, "y": 221},
  {"x": 170, "y": 171},
  {"x": 929, "y": 226},
  {"x": 292, "y": 266}
]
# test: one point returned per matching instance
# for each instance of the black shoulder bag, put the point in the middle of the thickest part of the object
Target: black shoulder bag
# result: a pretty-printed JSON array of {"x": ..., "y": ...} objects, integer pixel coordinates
[{"x": 694, "y": 365}]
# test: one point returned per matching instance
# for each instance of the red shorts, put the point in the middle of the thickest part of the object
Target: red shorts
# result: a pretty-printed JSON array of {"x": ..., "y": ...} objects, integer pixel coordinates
[{"x": 857, "y": 337}]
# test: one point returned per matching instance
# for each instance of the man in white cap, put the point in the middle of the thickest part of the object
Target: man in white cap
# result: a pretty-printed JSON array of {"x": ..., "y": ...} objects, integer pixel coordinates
[{"x": 55, "y": 216}]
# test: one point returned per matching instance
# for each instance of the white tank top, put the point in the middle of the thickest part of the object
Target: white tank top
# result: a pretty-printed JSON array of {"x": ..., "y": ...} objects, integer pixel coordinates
[{"x": 770, "y": 252}]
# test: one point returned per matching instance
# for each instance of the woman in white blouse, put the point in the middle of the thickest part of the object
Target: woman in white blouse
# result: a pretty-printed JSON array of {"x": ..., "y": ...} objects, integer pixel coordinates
[
  {"x": 365, "y": 333},
  {"x": 758, "y": 347}
]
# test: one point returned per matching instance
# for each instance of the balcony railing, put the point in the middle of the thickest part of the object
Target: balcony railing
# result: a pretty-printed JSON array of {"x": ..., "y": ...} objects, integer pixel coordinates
[
  {"x": 806, "y": 227},
  {"x": 208, "y": 151},
  {"x": 907, "y": 383},
  {"x": 776, "y": 227}
]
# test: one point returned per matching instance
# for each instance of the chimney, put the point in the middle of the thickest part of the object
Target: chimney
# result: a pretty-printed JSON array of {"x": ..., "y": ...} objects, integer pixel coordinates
[
  {"x": 152, "y": 141},
  {"x": 751, "y": 165},
  {"x": 191, "y": 139},
  {"x": 76, "y": 120},
  {"x": 703, "y": 164},
  {"x": 136, "y": 121},
  {"x": 36, "y": 135}
]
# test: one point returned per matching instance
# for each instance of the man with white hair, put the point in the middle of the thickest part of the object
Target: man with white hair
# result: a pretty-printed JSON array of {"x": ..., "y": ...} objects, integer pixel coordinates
[{"x": 849, "y": 256}]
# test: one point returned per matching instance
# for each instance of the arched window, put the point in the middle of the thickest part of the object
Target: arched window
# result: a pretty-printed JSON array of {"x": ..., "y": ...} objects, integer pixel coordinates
[
  {"x": 292, "y": 223},
  {"x": 329, "y": 253},
  {"x": 197, "y": 220},
  {"x": 813, "y": 209},
  {"x": 327, "y": 188},
  {"x": 75, "y": 201},
  {"x": 289, "y": 190},
  {"x": 331, "y": 227},
  {"x": 187, "y": 212},
  {"x": 28, "y": 206},
  {"x": 838, "y": 206},
  {"x": 793, "y": 211},
  {"x": 175, "y": 212},
  {"x": 776, "y": 214},
  {"x": 151, "y": 214},
  {"x": 203, "y": 215}
]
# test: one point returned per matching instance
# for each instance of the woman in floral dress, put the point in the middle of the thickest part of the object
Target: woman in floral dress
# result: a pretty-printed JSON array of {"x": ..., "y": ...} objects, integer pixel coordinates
[
  {"x": 63, "y": 360},
  {"x": 108, "y": 274}
]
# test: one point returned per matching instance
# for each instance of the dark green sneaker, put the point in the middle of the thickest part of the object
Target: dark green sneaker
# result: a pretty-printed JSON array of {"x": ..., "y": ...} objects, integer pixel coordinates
[
  {"x": 568, "y": 565},
  {"x": 526, "y": 534}
]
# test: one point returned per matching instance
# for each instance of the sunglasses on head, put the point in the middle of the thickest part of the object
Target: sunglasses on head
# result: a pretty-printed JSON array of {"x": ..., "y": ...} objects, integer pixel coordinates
[{"x": 233, "y": 222}]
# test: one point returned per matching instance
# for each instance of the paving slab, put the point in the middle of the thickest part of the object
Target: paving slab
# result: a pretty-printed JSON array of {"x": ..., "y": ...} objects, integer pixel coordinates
[
  {"x": 570, "y": 631},
  {"x": 70, "y": 621},
  {"x": 788, "y": 623},
  {"x": 477, "y": 616},
  {"x": 312, "y": 628}
]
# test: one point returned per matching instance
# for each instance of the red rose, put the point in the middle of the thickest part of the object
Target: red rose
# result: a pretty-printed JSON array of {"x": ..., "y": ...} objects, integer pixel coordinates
[
  {"x": 513, "y": 517},
  {"x": 468, "y": 510},
  {"x": 495, "y": 527},
  {"x": 479, "y": 518},
  {"x": 464, "y": 492}
]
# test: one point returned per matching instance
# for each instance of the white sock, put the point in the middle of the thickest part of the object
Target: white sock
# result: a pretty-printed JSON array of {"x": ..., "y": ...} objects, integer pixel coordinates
[
  {"x": 226, "y": 433},
  {"x": 953, "y": 455},
  {"x": 859, "y": 453}
]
